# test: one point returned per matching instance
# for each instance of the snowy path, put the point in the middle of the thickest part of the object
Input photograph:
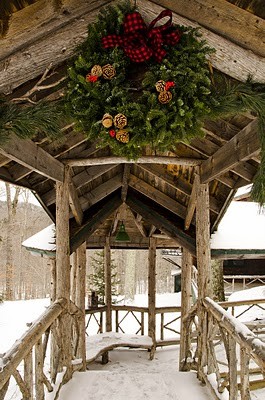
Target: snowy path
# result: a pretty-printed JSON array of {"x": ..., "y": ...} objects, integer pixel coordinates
[{"x": 130, "y": 375}]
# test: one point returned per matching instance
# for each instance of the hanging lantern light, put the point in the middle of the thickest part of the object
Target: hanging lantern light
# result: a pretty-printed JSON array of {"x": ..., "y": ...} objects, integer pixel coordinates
[{"x": 122, "y": 235}]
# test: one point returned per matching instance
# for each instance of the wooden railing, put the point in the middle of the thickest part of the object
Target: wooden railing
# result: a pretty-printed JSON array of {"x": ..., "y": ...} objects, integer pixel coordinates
[
  {"x": 246, "y": 281},
  {"x": 167, "y": 320},
  {"x": 25, "y": 360},
  {"x": 233, "y": 351}
]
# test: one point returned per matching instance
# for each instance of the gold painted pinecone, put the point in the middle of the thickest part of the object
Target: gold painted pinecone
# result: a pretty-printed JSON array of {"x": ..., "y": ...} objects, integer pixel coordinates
[
  {"x": 120, "y": 121},
  {"x": 108, "y": 71},
  {"x": 160, "y": 86},
  {"x": 122, "y": 136},
  {"x": 165, "y": 97},
  {"x": 107, "y": 120},
  {"x": 96, "y": 70}
]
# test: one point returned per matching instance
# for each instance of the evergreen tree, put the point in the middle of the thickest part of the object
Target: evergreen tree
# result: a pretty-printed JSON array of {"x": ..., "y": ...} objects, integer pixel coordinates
[{"x": 97, "y": 278}]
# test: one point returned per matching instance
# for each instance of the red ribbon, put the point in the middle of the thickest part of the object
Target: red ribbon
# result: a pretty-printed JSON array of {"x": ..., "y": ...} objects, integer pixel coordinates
[{"x": 140, "y": 42}]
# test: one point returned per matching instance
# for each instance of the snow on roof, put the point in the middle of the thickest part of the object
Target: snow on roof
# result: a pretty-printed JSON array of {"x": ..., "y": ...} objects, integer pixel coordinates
[
  {"x": 242, "y": 227},
  {"x": 42, "y": 241}
]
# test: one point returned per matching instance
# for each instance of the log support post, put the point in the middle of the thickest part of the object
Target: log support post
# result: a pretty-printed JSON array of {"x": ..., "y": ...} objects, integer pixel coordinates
[
  {"x": 108, "y": 300},
  {"x": 186, "y": 301},
  {"x": 203, "y": 252},
  {"x": 152, "y": 293},
  {"x": 80, "y": 302},
  {"x": 63, "y": 273}
]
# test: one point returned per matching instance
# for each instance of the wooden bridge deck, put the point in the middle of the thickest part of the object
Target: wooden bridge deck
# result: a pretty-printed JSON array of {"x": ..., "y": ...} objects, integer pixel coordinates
[{"x": 131, "y": 375}]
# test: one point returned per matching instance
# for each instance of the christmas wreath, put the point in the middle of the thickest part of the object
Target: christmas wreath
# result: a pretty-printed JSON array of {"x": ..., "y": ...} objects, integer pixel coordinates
[{"x": 134, "y": 85}]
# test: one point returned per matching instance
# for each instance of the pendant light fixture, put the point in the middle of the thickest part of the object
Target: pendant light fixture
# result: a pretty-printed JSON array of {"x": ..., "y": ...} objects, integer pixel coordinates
[{"x": 122, "y": 235}]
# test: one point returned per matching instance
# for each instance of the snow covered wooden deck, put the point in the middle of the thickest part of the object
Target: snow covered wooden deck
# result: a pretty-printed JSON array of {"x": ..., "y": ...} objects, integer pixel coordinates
[{"x": 131, "y": 375}]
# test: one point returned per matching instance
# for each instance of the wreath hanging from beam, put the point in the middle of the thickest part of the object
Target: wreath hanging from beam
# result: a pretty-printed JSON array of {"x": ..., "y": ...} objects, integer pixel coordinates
[{"x": 134, "y": 85}]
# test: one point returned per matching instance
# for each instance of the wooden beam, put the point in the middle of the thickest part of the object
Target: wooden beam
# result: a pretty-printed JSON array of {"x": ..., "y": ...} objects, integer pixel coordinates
[
  {"x": 75, "y": 203},
  {"x": 90, "y": 225},
  {"x": 139, "y": 223},
  {"x": 125, "y": 179},
  {"x": 240, "y": 26},
  {"x": 80, "y": 302},
  {"x": 30, "y": 155},
  {"x": 157, "y": 196},
  {"x": 228, "y": 58},
  {"x": 239, "y": 148},
  {"x": 166, "y": 226},
  {"x": 192, "y": 202},
  {"x": 139, "y": 242},
  {"x": 52, "y": 36},
  {"x": 84, "y": 162},
  {"x": 152, "y": 230},
  {"x": 178, "y": 183},
  {"x": 100, "y": 192}
]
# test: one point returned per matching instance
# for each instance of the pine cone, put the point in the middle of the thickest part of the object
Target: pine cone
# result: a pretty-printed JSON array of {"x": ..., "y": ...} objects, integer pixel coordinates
[
  {"x": 165, "y": 97},
  {"x": 160, "y": 86},
  {"x": 108, "y": 71},
  {"x": 96, "y": 70},
  {"x": 120, "y": 121},
  {"x": 122, "y": 136},
  {"x": 107, "y": 120}
]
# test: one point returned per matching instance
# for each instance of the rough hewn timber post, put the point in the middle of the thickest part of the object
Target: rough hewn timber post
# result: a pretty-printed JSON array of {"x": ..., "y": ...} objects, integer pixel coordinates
[
  {"x": 80, "y": 301},
  {"x": 186, "y": 301},
  {"x": 152, "y": 293},
  {"x": 73, "y": 268},
  {"x": 63, "y": 271},
  {"x": 204, "y": 269},
  {"x": 108, "y": 300}
]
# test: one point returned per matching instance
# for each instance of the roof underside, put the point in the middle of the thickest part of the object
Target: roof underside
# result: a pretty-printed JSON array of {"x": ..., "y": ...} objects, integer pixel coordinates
[{"x": 154, "y": 196}]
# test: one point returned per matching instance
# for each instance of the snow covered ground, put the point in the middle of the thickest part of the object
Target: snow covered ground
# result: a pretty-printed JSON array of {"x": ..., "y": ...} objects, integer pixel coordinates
[{"x": 129, "y": 375}]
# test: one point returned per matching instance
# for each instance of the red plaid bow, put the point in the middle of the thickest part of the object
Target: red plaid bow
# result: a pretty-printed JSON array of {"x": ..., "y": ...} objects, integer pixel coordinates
[{"x": 140, "y": 42}]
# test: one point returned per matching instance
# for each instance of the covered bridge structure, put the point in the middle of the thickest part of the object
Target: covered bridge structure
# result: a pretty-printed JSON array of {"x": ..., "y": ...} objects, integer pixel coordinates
[{"x": 168, "y": 199}]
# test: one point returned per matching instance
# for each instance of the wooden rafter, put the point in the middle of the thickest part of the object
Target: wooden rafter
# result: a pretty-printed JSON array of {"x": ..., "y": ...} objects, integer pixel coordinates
[
  {"x": 91, "y": 224},
  {"x": 220, "y": 16},
  {"x": 228, "y": 58},
  {"x": 125, "y": 179},
  {"x": 33, "y": 157},
  {"x": 179, "y": 183},
  {"x": 157, "y": 196},
  {"x": 238, "y": 149},
  {"x": 166, "y": 226}
]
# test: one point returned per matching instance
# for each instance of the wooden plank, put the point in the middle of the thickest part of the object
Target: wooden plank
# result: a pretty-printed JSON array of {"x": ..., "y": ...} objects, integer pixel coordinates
[
  {"x": 192, "y": 202},
  {"x": 30, "y": 155},
  {"x": 84, "y": 162},
  {"x": 157, "y": 196},
  {"x": 39, "y": 386},
  {"x": 239, "y": 26},
  {"x": 228, "y": 58},
  {"x": 239, "y": 148},
  {"x": 90, "y": 225},
  {"x": 166, "y": 226}
]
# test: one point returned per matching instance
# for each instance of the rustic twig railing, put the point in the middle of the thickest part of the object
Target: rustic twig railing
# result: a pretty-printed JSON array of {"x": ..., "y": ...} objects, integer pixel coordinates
[
  {"x": 241, "y": 347},
  {"x": 233, "y": 282},
  {"x": 28, "y": 354}
]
